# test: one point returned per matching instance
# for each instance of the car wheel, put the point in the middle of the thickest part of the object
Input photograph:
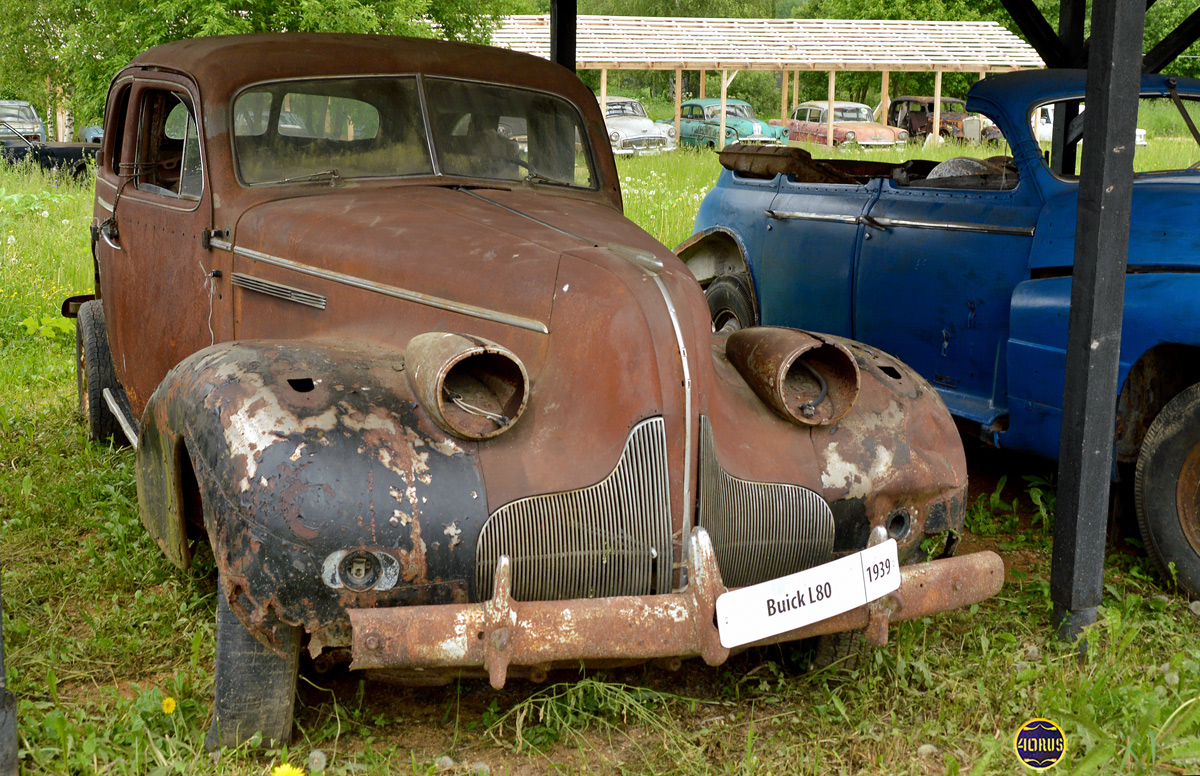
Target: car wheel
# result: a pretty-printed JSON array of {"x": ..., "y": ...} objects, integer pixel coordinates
[
  {"x": 255, "y": 686},
  {"x": 1166, "y": 489},
  {"x": 730, "y": 303},
  {"x": 94, "y": 372}
]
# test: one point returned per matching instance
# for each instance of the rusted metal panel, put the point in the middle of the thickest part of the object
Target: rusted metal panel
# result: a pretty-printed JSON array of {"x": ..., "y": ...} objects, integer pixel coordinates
[{"x": 502, "y": 632}]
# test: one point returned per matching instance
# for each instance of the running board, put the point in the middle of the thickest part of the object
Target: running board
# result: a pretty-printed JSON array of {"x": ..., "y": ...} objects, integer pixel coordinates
[{"x": 119, "y": 406}]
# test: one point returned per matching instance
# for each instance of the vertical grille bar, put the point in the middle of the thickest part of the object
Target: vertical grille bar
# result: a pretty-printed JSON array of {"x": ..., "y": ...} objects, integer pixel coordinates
[
  {"x": 613, "y": 538},
  {"x": 759, "y": 530}
]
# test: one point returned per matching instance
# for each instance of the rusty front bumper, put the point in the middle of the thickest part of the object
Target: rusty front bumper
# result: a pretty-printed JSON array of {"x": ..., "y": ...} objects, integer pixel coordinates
[{"x": 503, "y": 632}]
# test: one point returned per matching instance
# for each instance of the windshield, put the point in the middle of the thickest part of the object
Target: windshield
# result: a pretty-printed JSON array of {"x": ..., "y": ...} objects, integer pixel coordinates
[
  {"x": 740, "y": 111},
  {"x": 852, "y": 114},
  {"x": 373, "y": 127},
  {"x": 630, "y": 108},
  {"x": 1163, "y": 139},
  {"x": 21, "y": 113}
]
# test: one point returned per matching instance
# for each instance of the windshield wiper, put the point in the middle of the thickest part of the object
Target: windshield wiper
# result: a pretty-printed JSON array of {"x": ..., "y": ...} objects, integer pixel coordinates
[
  {"x": 334, "y": 177},
  {"x": 537, "y": 177}
]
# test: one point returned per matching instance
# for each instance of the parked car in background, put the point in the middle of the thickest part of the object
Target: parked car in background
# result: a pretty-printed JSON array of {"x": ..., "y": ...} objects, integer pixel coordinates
[
  {"x": 19, "y": 121},
  {"x": 963, "y": 270},
  {"x": 700, "y": 124},
  {"x": 439, "y": 408},
  {"x": 915, "y": 114},
  {"x": 631, "y": 131},
  {"x": 91, "y": 134},
  {"x": 852, "y": 123}
]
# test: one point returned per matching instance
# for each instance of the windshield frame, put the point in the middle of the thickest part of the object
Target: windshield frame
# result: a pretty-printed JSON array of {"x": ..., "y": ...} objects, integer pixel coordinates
[{"x": 430, "y": 143}]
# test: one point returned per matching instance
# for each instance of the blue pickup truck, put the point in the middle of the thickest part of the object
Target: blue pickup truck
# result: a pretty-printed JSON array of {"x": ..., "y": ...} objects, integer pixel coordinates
[{"x": 962, "y": 269}]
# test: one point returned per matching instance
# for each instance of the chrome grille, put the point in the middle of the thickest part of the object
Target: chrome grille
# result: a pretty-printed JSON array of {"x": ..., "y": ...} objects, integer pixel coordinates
[
  {"x": 647, "y": 142},
  {"x": 613, "y": 538},
  {"x": 760, "y": 530}
]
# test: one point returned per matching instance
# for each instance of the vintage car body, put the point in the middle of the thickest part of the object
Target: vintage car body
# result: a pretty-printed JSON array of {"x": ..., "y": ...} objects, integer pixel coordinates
[
  {"x": 979, "y": 254},
  {"x": 915, "y": 114},
  {"x": 700, "y": 124},
  {"x": 631, "y": 131},
  {"x": 437, "y": 405},
  {"x": 851, "y": 124},
  {"x": 20, "y": 120}
]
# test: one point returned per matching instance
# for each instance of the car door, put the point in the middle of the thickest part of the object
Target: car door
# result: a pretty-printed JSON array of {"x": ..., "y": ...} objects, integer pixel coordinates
[
  {"x": 805, "y": 279},
  {"x": 153, "y": 264},
  {"x": 937, "y": 267}
]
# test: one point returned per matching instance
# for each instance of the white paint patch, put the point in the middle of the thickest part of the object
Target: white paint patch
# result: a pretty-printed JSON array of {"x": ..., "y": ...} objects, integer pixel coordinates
[
  {"x": 839, "y": 474},
  {"x": 882, "y": 463},
  {"x": 299, "y": 452},
  {"x": 455, "y": 534},
  {"x": 677, "y": 612},
  {"x": 565, "y": 287}
]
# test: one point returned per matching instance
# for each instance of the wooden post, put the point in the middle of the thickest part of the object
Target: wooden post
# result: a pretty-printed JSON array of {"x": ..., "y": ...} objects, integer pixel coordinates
[
  {"x": 795, "y": 88},
  {"x": 935, "y": 128},
  {"x": 829, "y": 112},
  {"x": 702, "y": 75},
  {"x": 884, "y": 100},
  {"x": 982, "y": 74},
  {"x": 678, "y": 99},
  {"x": 783, "y": 104},
  {"x": 604, "y": 91},
  {"x": 724, "y": 96}
]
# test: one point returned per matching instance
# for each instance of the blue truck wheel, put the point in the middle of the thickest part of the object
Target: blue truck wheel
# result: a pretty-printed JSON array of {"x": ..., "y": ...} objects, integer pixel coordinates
[{"x": 1167, "y": 490}]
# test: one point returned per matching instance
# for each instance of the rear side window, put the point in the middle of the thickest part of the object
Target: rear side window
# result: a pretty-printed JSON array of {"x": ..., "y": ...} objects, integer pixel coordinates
[{"x": 168, "y": 152}]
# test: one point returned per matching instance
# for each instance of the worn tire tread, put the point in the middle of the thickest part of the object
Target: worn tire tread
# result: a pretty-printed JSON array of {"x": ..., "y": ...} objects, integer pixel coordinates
[{"x": 94, "y": 373}]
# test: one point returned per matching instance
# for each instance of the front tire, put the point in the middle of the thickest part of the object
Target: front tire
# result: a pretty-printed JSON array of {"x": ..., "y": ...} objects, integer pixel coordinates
[
  {"x": 730, "y": 303},
  {"x": 255, "y": 686},
  {"x": 94, "y": 373},
  {"x": 1167, "y": 490}
]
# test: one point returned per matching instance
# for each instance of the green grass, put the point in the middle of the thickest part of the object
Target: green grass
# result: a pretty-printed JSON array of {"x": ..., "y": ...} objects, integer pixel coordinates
[{"x": 100, "y": 629}]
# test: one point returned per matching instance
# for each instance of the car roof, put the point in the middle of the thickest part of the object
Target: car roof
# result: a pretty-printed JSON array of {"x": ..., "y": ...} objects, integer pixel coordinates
[
  {"x": 836, "y": 104},
  {"x": 926, "y": 99},
  {"x": 612, "y": 98},
  {"x": 1022, "y": 89},
  {"x": 234, "y": 61},
  {"x": 707, "y": 101}
]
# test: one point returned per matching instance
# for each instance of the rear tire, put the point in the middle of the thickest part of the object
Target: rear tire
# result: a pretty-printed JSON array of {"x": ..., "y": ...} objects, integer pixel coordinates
[
  {"x": 845, "y": 649},
  {"x": 255, "y": 686},
  {"x": 1167, "y": 490},
  {"x": 94, "y": 373},
  {"x": 730, "y": 303}
]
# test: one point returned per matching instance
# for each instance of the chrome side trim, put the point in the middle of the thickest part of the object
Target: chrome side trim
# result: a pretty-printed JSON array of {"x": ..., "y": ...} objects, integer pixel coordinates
[
  {"x": 787, "y": 215},
  {"x": 128, "y": 426},
  {"x": 760, "y": 530},
  {"x": 687, "y": 406},
  {"x": 104, "y": 204},
  {"x": 396, "y": 292},
  {"x": 223, "y": 245},
  {"x": 613, "y": 538},
  {"x": 277, "y": 290},
  {"x": 949, "y": 226}
]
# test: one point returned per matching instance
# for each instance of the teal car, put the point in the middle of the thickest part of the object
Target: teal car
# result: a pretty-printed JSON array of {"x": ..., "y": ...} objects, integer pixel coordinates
[{"x": 700, "y": 124}]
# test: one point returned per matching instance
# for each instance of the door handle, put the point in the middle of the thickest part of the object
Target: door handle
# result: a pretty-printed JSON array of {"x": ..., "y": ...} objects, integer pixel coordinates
[
  {"x": 872, "y": 223},
  {"x": 109, "y": 233}
]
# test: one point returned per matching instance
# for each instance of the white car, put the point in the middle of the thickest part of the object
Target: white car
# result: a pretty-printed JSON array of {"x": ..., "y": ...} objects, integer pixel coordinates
[
  {"x": 631, "y": 131},
  {"x": 1043, "y": 126}
]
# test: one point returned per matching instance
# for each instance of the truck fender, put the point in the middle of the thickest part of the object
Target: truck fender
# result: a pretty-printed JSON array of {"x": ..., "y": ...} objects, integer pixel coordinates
[{"x": 716, "y": 252}]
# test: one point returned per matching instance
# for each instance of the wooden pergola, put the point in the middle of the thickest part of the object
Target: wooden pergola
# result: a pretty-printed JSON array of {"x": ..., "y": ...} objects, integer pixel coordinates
[{"x": 783, "y": 45}]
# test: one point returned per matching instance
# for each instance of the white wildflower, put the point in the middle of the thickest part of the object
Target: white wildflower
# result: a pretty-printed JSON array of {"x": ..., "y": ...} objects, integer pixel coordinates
[
  {"x": 45, "y": 214},
  {"x": 12, "y": 240}
]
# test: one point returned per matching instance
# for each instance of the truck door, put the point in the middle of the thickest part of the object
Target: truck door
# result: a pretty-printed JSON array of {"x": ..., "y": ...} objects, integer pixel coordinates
[
  {"x": 939, "y": 260},
  {"x": 811, "y": 236},
  {"x": 153, "y": 266}
]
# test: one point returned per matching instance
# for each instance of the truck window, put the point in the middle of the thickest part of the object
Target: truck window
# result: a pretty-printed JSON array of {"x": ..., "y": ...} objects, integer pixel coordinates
[{"x": 168, "y": 154}]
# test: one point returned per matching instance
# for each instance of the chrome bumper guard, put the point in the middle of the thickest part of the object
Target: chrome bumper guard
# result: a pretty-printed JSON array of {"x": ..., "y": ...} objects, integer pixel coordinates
[{"x": 502, "y": 632}]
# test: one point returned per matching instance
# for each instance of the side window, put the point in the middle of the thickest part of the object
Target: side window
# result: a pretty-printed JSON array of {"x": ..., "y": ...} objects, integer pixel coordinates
[
  {"x": 168, "y": 150},
  {"x": 119, "y": 111}
]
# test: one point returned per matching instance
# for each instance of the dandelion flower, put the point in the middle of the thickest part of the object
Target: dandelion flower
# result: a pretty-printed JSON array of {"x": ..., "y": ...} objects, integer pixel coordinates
[
  {"x": 11, "y": 240},
  {"x": 67, "y": 221},
  {"x": 45, "y": 214},
  {"x": 287, "y": 770},
  {"x": 168, "y": 705}
]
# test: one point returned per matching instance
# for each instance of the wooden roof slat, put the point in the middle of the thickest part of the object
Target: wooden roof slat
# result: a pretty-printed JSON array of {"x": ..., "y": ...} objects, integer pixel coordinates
[{"x": 628, "y": 42}]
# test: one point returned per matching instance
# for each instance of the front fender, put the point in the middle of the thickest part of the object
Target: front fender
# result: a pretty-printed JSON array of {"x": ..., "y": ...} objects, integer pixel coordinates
[{"x": 304, "y": 452}]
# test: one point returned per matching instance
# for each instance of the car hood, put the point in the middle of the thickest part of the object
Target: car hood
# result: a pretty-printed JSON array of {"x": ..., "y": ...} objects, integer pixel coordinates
[
  {"x": 633, "y": 126},
  {"x": 866, "y": 129}
]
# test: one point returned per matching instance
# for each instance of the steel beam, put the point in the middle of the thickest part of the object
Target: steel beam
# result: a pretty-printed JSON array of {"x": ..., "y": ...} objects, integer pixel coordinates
[
  {"x": 563, "y": 17},
  {"x": 1097, "y": 306}
]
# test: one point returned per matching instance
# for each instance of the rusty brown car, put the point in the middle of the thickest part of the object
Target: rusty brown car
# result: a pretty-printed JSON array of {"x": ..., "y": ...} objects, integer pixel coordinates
[{"x": 438, "y": 407}]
